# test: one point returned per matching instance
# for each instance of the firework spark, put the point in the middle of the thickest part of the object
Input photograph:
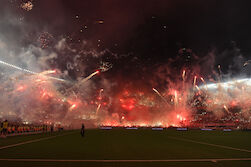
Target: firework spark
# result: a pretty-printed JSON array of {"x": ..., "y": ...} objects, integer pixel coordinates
[
  {"x": 32, "y": 72},
  {"x": 229, "y": 84},
  {"x": 247, "y": 63},
  {"x": 105, "y": 66},
  {"x": 196, "y": 86},
  {"x": 89, "y": 77},
  {"x": 28, "y": 6},
  {"x": 194, "y": 80},
  {"x": 98, "y": 108},
  {"x": 72, "y": 107},
  {"x": 183, "y": 75},
  {"x": 157, "y": 92}
]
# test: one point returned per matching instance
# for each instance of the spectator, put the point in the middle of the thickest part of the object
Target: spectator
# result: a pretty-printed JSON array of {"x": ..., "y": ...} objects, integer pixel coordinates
[{"x": 5, "y": 127}]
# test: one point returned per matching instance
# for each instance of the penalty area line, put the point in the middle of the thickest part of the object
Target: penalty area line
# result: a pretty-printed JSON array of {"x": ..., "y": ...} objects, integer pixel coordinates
[
  {"x": 33, "y": 141},
  {"x": 209, "y": 144},
  {"x": 129, "y": 160}
]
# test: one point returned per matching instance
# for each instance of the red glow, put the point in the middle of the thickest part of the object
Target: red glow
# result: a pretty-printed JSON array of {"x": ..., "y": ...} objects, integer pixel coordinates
[
  {"x": 127, "y": 104},
  {"x": 233, "y": 103},
  {"x": 180, "y": 117},
  {"x": 173, "y": 92},
  {"x": 126, "y": 93},
  {"x": 209, "y": 101}
]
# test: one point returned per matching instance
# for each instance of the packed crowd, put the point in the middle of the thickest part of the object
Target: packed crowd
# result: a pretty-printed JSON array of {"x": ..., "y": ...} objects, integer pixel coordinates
[{"x": 8, "y": 128}]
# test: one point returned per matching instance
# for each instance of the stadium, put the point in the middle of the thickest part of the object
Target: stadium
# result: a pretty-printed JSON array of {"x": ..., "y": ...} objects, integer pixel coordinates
[{"x": 119, "y": 83}]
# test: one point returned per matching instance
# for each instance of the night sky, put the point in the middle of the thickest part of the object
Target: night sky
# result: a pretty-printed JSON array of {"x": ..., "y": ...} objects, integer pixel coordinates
[
  {"x": 142, "y": 34},
  {"x": 111, "y": 60}
]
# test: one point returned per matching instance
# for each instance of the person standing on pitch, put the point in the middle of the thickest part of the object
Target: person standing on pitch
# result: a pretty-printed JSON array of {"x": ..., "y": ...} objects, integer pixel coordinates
[{"x": 83, "y": 130}]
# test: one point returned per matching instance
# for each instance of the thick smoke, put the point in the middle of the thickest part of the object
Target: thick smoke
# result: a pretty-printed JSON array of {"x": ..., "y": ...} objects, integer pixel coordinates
[
  {"x": 99, "y": 87},
  {"x": 30, "y": 95}
]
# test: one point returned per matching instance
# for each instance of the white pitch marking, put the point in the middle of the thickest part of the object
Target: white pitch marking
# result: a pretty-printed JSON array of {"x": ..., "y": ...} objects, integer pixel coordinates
[
  {"x": 209, "y": 144},
  {"x": 129, "y": 160},
  {"x": 32, "y": 141}
]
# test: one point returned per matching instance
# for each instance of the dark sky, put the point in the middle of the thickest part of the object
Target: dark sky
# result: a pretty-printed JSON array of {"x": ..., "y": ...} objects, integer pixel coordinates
[
  {"x": 151, "y": 30},
  {"x": 195, "y": 23}
]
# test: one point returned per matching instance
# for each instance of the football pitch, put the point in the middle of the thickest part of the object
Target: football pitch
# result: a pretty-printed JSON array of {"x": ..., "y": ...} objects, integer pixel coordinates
[{"x": 124, "y": 147}]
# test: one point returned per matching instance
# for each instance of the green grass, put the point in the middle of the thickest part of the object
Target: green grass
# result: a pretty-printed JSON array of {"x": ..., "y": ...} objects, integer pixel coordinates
[
  {"x": 22, "y": 138},
  {"x": 130, "y": 144}
]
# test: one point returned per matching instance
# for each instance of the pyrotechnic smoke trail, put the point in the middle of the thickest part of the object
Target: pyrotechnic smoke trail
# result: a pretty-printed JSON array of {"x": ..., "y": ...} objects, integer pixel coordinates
[
  {"x": 183, "y": 75},
  {"x": 229, "y": 84},
  {"x": 31, "y": 72},
  {"x": 89, "y": 77},
  {"x": 225, "y": 107},
  {"x": 196, "y": 86},
  {"x": 98, "y": 108},
  {"x": 156, "y": 91},
  {"x": 194, "y": 80},
  {"x": 100, "y": 93},
  {"x": 246, "y": 63},
  {"x": 99, "y": 98},
  {"x": 48, "y": 72},
  {"x": 175, "y": 97},
  {"x": 16, "y": 67},
  {"x": 82, "y": 81},
  {"x": 204, "y": 82}
]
